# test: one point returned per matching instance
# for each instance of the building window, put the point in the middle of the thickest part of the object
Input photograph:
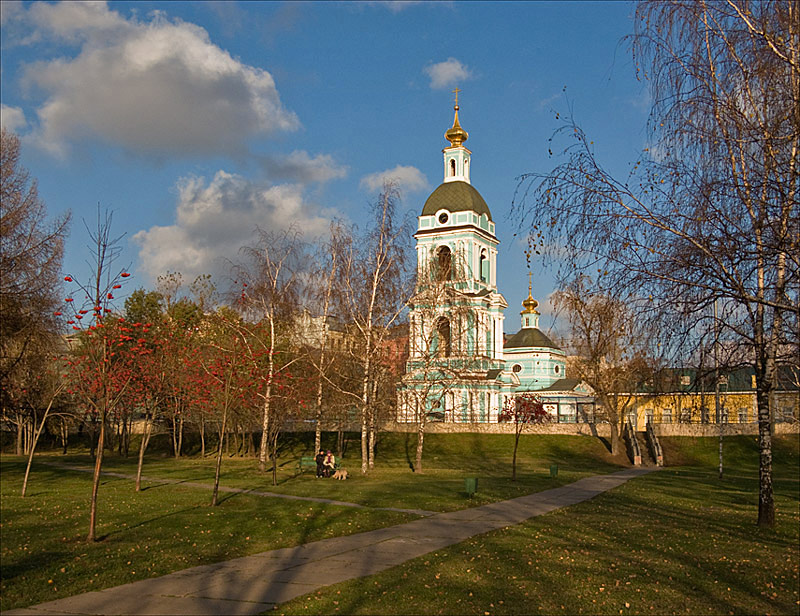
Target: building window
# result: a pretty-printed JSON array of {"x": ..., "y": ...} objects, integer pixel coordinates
[
  {"x": 666, "y": 416},
  {"x": 452, "y": 167},
  {"x": 483, "y": 267},
  {"x": 517, "y": 368},
  {"x": 443, "y": 334},
  {"x": 686, "y": 380},
  {"x": 443, "y": 217},
  {"x": 557, "y": 369},
  {"x": 743, "y": 414},
  {"x": 444, "y": 263},
  {"x": 648, "y": 416}
]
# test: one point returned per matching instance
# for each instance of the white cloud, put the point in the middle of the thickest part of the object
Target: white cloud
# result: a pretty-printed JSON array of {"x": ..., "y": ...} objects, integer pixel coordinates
[
  {"x": 299, "y": 166},
  {"x": 214, "y": 219},
  {"x": 156, "y": 87},
  {"x": 409, "y": 179},
  {"x": 10, "y": 10},
  {"x": 74, "y": 21},
  {"x": 447, "y": 73},
  {"x": 12, "y": 118}
]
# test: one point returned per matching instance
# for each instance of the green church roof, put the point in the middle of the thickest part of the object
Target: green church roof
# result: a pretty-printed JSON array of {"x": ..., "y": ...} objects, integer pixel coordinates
[
  {"x": 529, "y": 337},
  {"x": 456, "y": 197}
]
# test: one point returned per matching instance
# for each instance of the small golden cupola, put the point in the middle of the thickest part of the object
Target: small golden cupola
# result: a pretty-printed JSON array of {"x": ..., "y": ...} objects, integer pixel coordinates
[
  {"x": 456, "y": 155},
  {"x": 529, "y": 314},
  {"x": 455, "y": 134}
]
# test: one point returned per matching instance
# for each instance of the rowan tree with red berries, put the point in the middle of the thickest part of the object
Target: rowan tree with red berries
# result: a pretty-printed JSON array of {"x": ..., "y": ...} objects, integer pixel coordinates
[{"x": 522, "y": 410}]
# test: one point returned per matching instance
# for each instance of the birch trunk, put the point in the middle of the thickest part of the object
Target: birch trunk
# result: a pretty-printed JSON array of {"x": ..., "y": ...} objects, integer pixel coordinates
[{"x": 265, "y": 420}]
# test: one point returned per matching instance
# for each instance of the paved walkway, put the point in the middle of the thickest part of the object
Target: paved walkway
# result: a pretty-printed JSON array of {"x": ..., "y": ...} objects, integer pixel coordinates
[{"x": 254, "y": 584}]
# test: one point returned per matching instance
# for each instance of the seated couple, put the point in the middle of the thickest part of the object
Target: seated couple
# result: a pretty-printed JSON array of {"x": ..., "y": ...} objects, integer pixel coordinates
[{"x": 326, "y": 463}]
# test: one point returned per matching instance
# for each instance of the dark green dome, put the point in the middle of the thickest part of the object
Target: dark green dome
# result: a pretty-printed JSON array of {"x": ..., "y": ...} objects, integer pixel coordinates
[
  {"x": 456, "y": 197},
  {"x": 529, "y": 337}
]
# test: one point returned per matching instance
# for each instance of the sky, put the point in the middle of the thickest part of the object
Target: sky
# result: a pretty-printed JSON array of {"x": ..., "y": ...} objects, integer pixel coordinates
[{"x": 196, "y": 122}]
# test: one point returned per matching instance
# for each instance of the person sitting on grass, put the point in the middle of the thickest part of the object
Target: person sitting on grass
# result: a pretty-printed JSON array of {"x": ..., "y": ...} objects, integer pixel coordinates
[
  {"x": 320, "y": 460},
  {"x": 329, "y": 463}
]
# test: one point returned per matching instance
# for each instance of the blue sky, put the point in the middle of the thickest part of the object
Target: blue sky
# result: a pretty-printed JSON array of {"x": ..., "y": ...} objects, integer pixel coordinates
[{"x": 195, "y": 122}]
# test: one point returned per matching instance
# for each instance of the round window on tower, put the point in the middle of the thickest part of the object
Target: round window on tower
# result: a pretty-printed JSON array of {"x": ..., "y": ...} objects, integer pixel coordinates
[
  {"x": 517, "y": 368},
  {"x": 443, "y": 218},
  {"x": 557, "y": 369}
]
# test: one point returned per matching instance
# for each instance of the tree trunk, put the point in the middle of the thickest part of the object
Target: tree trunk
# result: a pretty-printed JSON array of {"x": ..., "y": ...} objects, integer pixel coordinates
[
  {"x": 142, "y": 446},
  {"x": 264, "y": 449},
  {"x": 35, "y": 440},
  {"x": 98, "y": 465},
  {"x": 275, "y": 459},
  {"x": 517, "y": 432},
  {"x": 64, "y": 435},
  {"x": 339, "y": 443},
  {"x": 179, "y": 450},
  {"x": 615, "y": 438},
  {"x": 372, "y": 436},
  {"x": 219, "y": 459},
  {"x": 93, "y": 438},
  {"x": 766, "y": 502},
  {"x": 202, "y": 437},
  {"x": 420, "y": 441},
  {"x": 18, "y": 449},
  {"x": 174, "y": 435}
]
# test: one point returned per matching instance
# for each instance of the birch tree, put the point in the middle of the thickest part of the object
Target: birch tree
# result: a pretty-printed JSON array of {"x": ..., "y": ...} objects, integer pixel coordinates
[
  {"x": 269, "y": 292},
  {"x": 710, "y": 211},
  {"x": 375, "y": 288}
]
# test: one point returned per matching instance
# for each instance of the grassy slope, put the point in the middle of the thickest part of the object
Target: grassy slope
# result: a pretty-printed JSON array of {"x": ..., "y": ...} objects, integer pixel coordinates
[
  {"x": 676, "y": 541},
  {"x": 170, "y": 527}
]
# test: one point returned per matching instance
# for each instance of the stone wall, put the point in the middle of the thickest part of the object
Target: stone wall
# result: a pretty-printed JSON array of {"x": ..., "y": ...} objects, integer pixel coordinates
[
  {"x": 502, "y": 428},
  {"x": 727, "y": 430}
]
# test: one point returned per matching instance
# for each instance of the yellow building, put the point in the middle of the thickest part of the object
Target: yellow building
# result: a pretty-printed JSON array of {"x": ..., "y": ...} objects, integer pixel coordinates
[{"x": 687, "y": 396}]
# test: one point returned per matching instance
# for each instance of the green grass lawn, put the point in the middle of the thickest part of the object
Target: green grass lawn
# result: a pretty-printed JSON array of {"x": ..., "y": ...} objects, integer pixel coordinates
[
  {"x": 448, "y": 459},
  {"x": 676, "y": 541},
  {"x": 168, "y": 527}
]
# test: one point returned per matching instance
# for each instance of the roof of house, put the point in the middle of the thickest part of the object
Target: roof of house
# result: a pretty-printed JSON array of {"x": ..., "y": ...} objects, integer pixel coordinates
[
  {"x": 456, "y": 197},
  {"x": 529, "y": 337}
]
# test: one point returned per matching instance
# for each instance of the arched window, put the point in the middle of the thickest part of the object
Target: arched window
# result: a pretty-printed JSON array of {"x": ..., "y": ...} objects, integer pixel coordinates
[
  {"x": 443, "y": 334},
  {"x": 452, "y": 166},
  {"x": 483, "y": 267},
  {"x": 444, "y": 264}
]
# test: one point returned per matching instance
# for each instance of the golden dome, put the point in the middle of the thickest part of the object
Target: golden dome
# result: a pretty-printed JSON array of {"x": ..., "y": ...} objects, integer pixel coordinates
[
  {"x": 530, "y": 304},
  {"x": 455, "y": 134}
]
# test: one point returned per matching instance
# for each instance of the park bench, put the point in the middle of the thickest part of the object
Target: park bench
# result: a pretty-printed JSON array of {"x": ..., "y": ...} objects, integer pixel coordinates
[
  {"x": 309, "y": 462},
  {"x": 306, "y": 462}
]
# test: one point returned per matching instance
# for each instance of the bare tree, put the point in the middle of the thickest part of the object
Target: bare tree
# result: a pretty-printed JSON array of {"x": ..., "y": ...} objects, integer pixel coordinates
[
  {"x": 324, "y": 286},
  {"x": 269, "y": 290},
  {"x": 439, "y": 356},
  {"x": 53, "y": 386},
  {"x": 710, "y": 212},
  {"x": 612, "y": 349},
  {"x": 31, "y": 250},
  {"x": 375, "y": 282},
  {"x": 99, "y": 374}
]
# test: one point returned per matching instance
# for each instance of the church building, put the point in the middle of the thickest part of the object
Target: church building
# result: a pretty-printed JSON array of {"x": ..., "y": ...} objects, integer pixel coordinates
[{"x": 460, "y": 369}]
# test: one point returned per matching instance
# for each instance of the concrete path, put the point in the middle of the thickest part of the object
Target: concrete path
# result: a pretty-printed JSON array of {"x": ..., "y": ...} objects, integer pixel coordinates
[{"x": 254, "y": 584}]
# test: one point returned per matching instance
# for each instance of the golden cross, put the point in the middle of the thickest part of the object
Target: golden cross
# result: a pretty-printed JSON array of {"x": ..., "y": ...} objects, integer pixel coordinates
[
  {"x": 530, "y": 282},
  {"x": 456, "y": 91}
]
